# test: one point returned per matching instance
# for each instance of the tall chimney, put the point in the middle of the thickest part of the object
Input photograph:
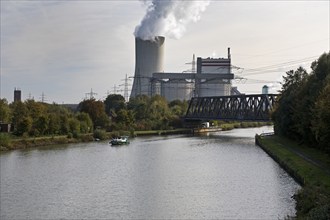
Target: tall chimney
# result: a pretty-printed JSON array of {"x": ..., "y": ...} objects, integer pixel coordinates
[
  {"x": 149, "y": 58},
  {"x": 17, "y": 95}
]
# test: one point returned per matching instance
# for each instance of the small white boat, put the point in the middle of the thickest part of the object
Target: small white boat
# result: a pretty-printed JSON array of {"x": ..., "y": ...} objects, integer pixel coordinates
[{"x": 119, "y": 140}]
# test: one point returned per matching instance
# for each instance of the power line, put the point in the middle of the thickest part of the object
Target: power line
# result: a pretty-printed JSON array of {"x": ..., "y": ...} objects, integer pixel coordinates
[
  {"x": 284, "y": 49},
  {"x": 274, "y": 68}
]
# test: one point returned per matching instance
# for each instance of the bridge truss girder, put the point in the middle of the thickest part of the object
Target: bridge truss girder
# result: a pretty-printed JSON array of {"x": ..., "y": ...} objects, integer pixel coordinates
[{"x": 236, "y": 108}]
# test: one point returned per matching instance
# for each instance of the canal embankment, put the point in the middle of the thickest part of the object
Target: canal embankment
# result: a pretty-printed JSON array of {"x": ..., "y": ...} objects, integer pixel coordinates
[
  {"x": 309, "y": 167},
  {"x": 8, "y": 142},
  {"x": 11, "y": 142}
]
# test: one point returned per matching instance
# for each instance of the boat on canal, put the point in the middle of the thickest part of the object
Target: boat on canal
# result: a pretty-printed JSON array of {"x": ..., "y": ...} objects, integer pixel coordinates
[{"x": 119, "y": 140}]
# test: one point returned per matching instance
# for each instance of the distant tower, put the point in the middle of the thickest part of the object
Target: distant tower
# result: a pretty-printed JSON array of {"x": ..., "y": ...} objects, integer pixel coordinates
[
  {"x": 126, "y": 89},
  {"x": 90, "y": 94},
  {"x": 43, "y": 97},
  {"x": 193, "y": 65},
  {"x": 265, "y": 89},
  {"x": 17, "y": 95},
  {"x": 149, "y": 58}
]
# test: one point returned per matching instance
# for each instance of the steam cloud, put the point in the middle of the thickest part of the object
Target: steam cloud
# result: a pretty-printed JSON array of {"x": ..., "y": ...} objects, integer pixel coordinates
[{"x": 169, "y": 18}]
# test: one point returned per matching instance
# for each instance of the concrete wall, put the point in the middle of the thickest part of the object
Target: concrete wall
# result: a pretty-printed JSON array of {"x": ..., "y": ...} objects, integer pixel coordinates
[
  {"x": 214, "y": 89},
  {"x": 177, "y": 89}
]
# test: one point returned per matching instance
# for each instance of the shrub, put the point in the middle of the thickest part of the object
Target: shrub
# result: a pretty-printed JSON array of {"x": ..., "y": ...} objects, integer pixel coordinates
[
  {"x": 100, "y": 134},
  {"x": 70, "y": 135},
  {"x": 5, "y": 141},
  {"x": 226, "y": 127}
]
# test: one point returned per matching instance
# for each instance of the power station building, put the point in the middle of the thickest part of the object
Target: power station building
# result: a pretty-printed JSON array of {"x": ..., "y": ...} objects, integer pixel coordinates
[{"x": 212, "y": 78}]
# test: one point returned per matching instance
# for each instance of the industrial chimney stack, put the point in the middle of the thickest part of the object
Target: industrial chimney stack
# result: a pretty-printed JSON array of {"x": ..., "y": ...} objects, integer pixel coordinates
[{"x": 149, "y": 58}]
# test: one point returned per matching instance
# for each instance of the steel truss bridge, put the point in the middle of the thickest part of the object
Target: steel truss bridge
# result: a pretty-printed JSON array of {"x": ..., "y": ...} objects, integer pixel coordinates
[{"x": 235, "y": 108}]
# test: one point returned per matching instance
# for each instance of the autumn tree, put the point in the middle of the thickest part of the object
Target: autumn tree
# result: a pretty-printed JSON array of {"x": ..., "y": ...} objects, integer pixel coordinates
[
  {"x": 302, "y": 111},
  {"x": 5, "y": 112},
  {"x": 96, "y": 111},
  {"x": 114, "y": 103}
]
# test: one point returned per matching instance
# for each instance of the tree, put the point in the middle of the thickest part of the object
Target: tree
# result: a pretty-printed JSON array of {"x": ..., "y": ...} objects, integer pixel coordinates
[
  {"x": 96, "y": 111},
  {"x": 19, "y": 113},
  {"x": 24, "y": 125},
  {"x": 125, "y": 118},
  {"x": 5, "y": 111},
  {"x": 114, "y": 103},
  {"x": 41, "y": 125},
  {"x": 54, "y": 124},
  {"x": 303, "y": 108},
  {"x": 321, "y": 117},
  {"x": 139, "y": 105},
  {"x": 178, "y": 108},
  {"x": 86, "y": 124},
  {"x": 74, "y": 126},
  {"x": 283, "y": 114},
  {"x": 64, "y": 122}
]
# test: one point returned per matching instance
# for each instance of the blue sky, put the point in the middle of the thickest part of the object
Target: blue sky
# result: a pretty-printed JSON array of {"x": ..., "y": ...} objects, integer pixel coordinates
[{"x": 65, "y": 48}]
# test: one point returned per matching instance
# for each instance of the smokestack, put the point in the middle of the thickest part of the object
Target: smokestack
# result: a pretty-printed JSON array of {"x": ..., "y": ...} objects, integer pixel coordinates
[
  {"x": 17, "y": 95},
  {"x": 229, "y": 53},
  {"x": 149, "y": 58}
]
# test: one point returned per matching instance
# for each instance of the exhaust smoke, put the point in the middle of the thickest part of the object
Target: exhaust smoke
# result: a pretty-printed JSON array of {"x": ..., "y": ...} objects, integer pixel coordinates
[{"x": 169, "y": 18}]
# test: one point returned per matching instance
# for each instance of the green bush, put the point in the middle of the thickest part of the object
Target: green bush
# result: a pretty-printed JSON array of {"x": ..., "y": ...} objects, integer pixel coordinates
[
  {"x": 5, "y": 141},
  {"x": 114, "y": 134},
  {"x": 70, "y": 135},
  {"x": 226, "y": 127},
  {"x": 100, "y": 134},
  {"x": 86, "y": 137}
]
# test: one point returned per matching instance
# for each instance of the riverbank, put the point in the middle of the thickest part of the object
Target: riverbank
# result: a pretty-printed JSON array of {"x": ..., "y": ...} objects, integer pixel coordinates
[
  {"x": 309, "y": 167},
  {"x": 9, "y": 142}
]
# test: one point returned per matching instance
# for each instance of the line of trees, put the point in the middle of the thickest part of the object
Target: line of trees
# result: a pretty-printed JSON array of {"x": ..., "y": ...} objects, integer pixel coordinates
[
  {"x": 303, "y": 109},
  {"x": 31, "y": 118}
]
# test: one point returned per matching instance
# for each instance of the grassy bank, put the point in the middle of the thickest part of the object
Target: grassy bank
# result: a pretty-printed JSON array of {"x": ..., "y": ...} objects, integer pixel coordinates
[
  {"x": 310, "y": 167},
  {"x": 245, "y": 124},
  {"x": 163, "y": 132},
  {"x": 12, "y": 143}
]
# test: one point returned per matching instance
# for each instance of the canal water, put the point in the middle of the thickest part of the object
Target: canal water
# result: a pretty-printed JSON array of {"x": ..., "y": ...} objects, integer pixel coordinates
[{"x": 221, "y": 175}]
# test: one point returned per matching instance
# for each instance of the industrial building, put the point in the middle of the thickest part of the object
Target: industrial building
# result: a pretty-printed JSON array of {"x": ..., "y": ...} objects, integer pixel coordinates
[
  {"x": 17, "y": 95},
  {"x": 212, "y": 78}
]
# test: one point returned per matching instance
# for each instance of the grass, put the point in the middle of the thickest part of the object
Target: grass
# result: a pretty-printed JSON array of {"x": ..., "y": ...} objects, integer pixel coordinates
[
  {"x": 162, "y": 132},
  {"x": 246, "y": 124},
  {"x": 310, "y": 167}
]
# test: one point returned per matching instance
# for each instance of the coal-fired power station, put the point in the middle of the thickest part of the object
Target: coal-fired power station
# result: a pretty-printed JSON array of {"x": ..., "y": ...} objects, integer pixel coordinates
[
  {"x": 212, "y": 76},
  {"x": 149, "y": 58}
]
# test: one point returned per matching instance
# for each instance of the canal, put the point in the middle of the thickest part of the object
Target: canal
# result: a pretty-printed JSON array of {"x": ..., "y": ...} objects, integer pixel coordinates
[{"x": 221, "y": 175}]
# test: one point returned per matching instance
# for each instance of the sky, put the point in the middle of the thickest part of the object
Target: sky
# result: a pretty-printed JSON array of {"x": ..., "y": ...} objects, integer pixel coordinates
[{"x": 63, "y": 49}]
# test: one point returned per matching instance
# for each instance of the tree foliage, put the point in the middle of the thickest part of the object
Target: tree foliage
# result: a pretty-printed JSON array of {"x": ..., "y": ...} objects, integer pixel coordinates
[
  {"x": 38, "y": 119},
  {"x": 4, "y": 111},
  {"x": 303, "y": 109},
  {"x": 114, "y": 102},
  {"x": 140, "y": 113},
  {"x": 96, "y": 111}
]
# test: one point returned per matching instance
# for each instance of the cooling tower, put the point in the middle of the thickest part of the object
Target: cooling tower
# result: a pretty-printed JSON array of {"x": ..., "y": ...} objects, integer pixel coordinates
[{"x": 149, "y": 58}]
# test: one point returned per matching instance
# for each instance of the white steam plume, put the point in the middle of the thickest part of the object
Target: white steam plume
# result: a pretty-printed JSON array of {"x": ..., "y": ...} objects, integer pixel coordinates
[{"x": 169, "y": 18}]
